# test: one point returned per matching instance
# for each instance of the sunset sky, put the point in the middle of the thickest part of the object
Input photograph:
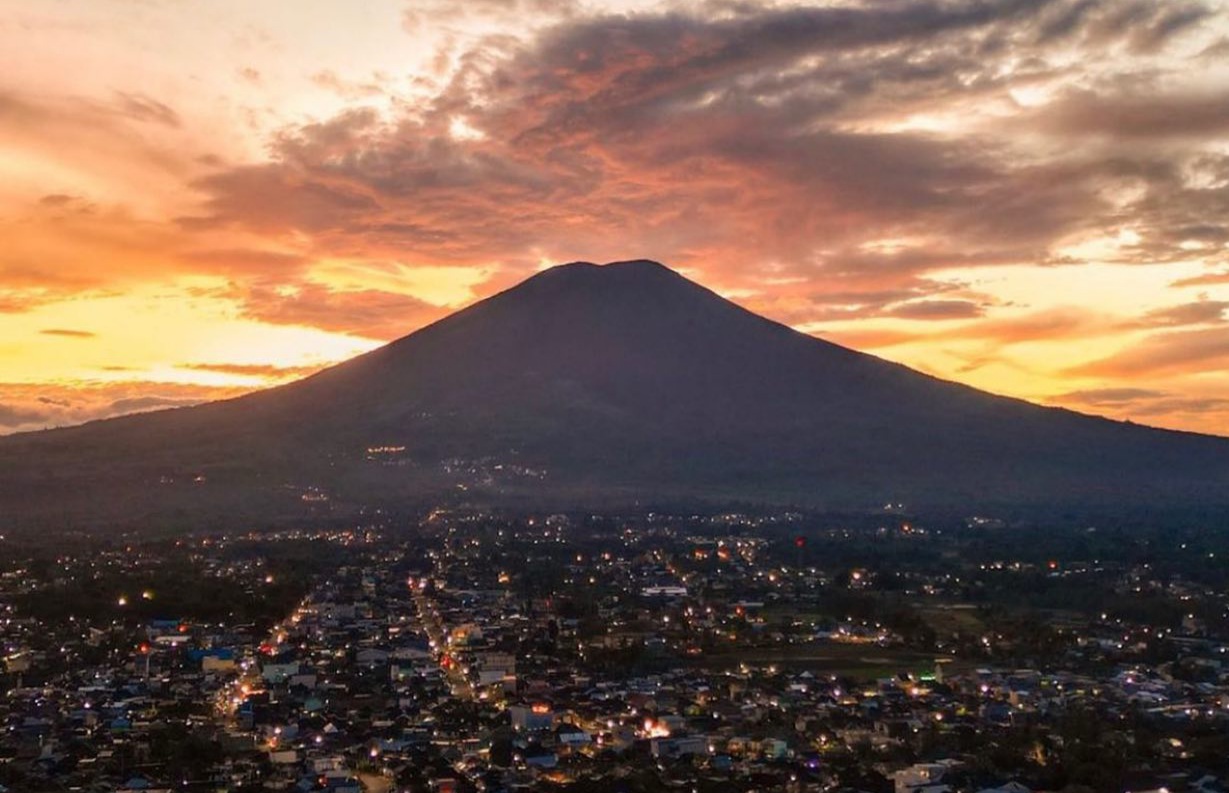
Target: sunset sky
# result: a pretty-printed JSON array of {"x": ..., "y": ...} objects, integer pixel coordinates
[{"x": 202, "y": 198}]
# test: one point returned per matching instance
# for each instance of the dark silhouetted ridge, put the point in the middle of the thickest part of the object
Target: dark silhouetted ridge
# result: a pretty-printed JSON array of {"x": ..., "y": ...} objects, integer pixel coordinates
[{"x": 596, "y": 385}]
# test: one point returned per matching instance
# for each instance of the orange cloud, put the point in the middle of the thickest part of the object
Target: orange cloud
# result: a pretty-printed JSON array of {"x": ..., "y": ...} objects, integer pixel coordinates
[
  {"x": 1184, "y": 351},
  {"x": 68, "y": 333},
  {"x": 1148, "y": 405},
  {"x": 370, "y": 313},
  {"x": 263, "y": 371}
]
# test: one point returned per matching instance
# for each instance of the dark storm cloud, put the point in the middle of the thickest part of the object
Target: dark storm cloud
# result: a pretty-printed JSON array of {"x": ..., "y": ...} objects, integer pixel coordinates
[{"x": 752, "y": 143}]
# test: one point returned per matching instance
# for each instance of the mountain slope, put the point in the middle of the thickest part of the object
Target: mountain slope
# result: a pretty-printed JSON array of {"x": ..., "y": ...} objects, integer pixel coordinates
[{"x": 589, "y": 385}]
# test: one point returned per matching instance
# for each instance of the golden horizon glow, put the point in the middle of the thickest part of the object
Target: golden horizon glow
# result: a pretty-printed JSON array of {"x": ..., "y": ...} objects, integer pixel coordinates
[{"x": 201, "y": 200}]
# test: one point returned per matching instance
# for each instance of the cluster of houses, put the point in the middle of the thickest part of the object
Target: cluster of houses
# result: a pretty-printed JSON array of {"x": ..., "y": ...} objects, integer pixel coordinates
[{"x": 434, "y": 664}]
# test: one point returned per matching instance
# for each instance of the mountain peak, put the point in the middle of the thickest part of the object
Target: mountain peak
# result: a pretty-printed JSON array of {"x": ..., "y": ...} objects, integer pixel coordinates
[
  {"x": 608, "y": 271},
  {"x": 606, "y": 383},
  {"x": 642, "y": 265},
  {"x": 633, "y": 282}
]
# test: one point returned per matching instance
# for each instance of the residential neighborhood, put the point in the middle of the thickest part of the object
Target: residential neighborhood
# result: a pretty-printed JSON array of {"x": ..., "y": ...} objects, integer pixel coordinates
[{"x": 481, "y": 654}]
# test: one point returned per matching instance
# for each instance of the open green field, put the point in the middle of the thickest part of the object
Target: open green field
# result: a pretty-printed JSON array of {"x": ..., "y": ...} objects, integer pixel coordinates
[
  {"x": 947, "y": 620},
  {"x": 865, "y": 661}
]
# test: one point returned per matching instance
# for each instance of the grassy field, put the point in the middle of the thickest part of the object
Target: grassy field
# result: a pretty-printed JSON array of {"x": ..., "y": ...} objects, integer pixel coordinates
[
  {"x": 865, "y": 661},
  {"x": 947, "y": 620}
]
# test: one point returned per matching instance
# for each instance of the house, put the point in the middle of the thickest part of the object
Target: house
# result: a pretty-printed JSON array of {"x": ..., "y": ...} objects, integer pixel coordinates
[
  {"x": 219, "y": 660},
  {"x": 922, "y": 778},
  {"x": 534, "y": 718},
  {"x": 571, "y": 736},
  {"x": 681, "y": 746},
  {"x": 541, "y": 758},
  {"x": 371, "y": 656},
  {"x": 279, "y": 672}
]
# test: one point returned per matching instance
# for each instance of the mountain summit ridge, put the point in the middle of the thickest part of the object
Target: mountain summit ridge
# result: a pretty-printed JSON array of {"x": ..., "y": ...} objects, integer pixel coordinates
[{"x": 589, "y": 385}]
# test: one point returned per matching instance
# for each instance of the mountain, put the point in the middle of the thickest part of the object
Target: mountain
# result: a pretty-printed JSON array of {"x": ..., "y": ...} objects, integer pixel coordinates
[{"x": 592, "y": 386}]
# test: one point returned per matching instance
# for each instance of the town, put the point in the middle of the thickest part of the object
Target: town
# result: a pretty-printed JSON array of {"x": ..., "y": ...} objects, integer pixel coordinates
[{"x": 469, "y": 651}]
